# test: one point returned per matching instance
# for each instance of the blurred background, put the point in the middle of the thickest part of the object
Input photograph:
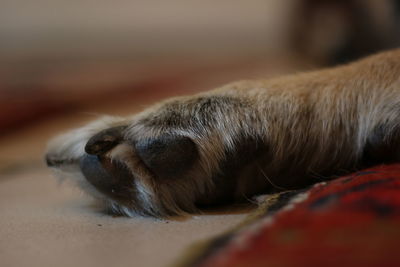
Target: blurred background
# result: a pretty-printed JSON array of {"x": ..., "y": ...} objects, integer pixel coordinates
[
  {"x": 59, "y": 56},
  {"x": 65, "y": 62}
]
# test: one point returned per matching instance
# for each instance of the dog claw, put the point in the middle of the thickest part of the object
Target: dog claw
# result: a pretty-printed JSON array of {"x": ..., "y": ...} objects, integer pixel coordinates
[{"x": 105, "y": 140}]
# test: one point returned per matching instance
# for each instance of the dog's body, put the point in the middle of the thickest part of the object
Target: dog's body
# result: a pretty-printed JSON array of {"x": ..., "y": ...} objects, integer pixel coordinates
[{"x": 240, "y": 140}]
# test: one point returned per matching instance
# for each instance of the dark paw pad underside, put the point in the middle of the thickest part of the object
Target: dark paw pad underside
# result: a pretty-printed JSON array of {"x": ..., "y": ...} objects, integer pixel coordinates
[{"x": 111, "y": 178}]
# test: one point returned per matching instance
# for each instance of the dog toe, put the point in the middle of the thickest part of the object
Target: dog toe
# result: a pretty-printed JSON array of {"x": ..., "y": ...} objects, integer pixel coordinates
[{"x": 167, "y": 156}]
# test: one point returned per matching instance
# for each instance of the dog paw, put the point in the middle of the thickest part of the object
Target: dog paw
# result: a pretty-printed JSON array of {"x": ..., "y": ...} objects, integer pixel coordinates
[{"x": 168, "y": 160}]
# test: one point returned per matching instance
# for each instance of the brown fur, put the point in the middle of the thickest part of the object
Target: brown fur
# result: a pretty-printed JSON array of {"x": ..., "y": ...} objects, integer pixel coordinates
[{"x": 242, "y": 139}]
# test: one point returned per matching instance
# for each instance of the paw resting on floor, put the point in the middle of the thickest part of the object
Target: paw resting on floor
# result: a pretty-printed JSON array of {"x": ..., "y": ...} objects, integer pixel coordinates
[
  {"x": 168, "y": 160},
  {"x": 238, "y": 141}
]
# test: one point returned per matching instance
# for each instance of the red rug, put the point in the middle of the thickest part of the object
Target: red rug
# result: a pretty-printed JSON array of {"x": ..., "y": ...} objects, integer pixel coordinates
[{"x": 349, "y": 221}]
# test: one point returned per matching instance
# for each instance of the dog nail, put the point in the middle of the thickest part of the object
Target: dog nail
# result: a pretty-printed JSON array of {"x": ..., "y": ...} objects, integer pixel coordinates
[{"x": 105, "y": 140}]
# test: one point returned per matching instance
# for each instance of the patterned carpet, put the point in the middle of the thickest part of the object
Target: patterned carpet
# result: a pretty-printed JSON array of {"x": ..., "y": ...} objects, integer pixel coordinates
[{"x": 350, "y": 221}]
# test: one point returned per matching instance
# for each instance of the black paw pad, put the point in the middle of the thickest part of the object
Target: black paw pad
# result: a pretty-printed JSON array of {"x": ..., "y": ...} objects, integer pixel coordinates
[
  {"x": 110, "y": 178},
  {"x": 167, "y": 156}
]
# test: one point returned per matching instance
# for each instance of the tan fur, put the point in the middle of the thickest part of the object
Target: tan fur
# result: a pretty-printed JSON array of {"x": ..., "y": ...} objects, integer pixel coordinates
[{"x": 253, "y": 137}]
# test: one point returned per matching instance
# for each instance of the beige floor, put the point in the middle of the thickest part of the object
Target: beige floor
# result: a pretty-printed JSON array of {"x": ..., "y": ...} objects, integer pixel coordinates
[{"x": 44, "y": 224}]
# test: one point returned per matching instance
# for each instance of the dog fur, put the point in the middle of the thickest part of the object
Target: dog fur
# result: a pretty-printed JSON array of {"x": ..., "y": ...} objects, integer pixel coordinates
[{"x": 240, "y": 140}]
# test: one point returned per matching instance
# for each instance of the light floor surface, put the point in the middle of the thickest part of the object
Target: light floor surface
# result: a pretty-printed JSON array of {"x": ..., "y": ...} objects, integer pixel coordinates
[{"x": 43, "y": 224}]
